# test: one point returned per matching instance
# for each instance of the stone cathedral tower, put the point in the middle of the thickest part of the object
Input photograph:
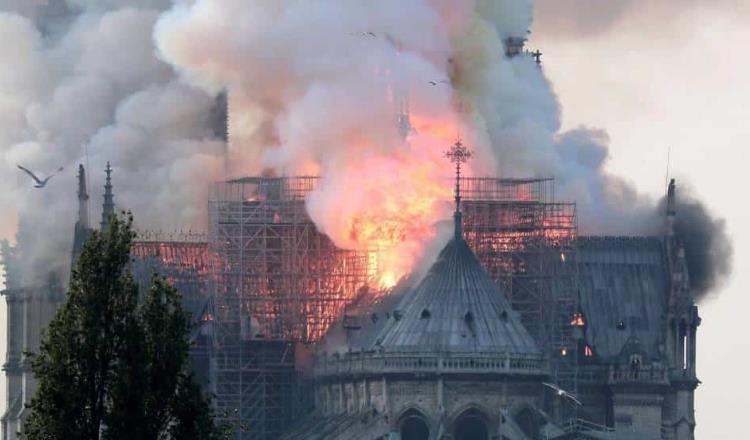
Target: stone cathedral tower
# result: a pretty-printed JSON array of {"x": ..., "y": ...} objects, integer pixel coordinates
[{"x": 30, "y": 309}]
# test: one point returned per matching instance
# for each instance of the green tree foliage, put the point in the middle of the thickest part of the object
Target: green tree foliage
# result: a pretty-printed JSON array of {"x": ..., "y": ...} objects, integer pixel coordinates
[{"x": 114, "y": 364}]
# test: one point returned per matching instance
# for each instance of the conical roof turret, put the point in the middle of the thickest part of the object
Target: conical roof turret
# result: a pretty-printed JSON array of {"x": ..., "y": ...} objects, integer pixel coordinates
[{"x": 457, "y": 308}]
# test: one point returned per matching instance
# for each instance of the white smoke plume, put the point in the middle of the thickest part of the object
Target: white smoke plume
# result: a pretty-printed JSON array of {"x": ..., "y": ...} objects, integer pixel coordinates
[
  {"x": 316, "y": 87},
  {"x": 81, "y": 77}
]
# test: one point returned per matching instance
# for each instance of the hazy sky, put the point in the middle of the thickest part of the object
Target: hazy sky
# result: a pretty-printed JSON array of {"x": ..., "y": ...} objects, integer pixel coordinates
[{"x": 661, "y": 73}]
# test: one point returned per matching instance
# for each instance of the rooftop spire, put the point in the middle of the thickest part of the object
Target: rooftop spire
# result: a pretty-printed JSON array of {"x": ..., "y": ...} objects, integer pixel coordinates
[
  {"x": 108, "y": 207},
  {"x": 458, "y": 154},
  {"x": 671, "y": 208},
  {"x": 82, "y": 227},
  {"x": 83, "y": 198}
]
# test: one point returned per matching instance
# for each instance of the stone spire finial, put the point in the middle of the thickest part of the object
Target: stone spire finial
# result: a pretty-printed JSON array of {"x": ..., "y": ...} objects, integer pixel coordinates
[
  {"x": 83, "y": 199},
  {"x": 108, "y": 207},
  {"x": 82, "y": 228},
  {"x": 458, "y": 154},
  {"x": 671, "y": 208}
]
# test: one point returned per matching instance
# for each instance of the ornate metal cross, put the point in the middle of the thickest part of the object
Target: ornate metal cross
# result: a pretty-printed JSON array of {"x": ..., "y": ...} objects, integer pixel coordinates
[
  {"x": 537, "y": 55},
  {"x": 458, "y": 154}
]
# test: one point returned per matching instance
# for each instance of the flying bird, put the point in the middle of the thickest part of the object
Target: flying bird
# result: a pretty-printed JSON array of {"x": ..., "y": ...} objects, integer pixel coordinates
[
  {"x": 434, "y": 83},
  {"x": 39, "y": 182},
  {"x": 562, "y": 393},
  {"x": 365, "y": 34}
]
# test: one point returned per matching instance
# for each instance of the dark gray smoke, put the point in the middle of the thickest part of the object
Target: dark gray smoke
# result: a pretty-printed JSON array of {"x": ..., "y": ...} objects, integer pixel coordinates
[{"x": 708, "y": 248}]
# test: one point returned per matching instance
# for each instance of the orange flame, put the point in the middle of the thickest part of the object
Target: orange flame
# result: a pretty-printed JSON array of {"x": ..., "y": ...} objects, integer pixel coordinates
[{"x": 390, "y": 203}]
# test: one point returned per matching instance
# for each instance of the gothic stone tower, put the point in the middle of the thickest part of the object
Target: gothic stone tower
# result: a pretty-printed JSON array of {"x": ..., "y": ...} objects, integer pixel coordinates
[{"x": 30, "y": 309}]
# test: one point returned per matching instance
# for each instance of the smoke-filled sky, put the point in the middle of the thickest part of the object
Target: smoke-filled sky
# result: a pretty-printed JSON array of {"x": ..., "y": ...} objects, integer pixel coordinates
[
  {"x": 316, "y": 86},
  {"x": 79, "y": 83}
]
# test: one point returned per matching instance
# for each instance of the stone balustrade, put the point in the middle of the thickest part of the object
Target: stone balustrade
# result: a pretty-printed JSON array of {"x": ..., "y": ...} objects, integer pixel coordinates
[
  {"x": 439, "y": 363},
  {"x": 649, "y": 375}
]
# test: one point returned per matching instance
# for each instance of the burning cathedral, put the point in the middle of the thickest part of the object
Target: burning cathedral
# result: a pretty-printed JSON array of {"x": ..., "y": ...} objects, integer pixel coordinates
[{"x": 521, "y": 329}]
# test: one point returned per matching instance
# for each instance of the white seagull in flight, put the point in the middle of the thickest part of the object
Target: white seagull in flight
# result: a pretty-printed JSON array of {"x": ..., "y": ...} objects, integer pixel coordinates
[
  {"x": 39, "y": 182},
  {"x": 562, "y": 393}
]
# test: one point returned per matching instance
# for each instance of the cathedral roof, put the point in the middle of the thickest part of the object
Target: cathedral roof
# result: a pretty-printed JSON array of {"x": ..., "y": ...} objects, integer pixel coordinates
[
  {"x": 456, "y": 308},
  {"x": 622, "y": 285}
]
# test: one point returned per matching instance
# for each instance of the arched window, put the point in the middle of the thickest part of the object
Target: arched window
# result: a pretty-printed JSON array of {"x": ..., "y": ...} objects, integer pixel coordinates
[
  {"x": 471, "y": 426},
  {"x": 413, "y": 426}
]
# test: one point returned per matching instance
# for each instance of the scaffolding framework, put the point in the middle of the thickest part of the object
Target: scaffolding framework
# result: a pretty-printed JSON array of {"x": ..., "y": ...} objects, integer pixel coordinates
[
  {"x": 256, "y": 387},
  {"x": 278, "y": 281},
  {"x": 527, "y": 242},
  {"x": 278, "y": 276}
]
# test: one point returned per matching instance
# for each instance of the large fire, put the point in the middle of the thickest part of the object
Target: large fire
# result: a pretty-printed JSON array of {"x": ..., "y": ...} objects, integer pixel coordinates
[{"x": 391, "y": 203}]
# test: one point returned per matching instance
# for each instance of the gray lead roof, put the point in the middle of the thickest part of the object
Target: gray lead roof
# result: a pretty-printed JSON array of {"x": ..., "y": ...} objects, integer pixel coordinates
[
  {"x": 623, "y": 286},
  {"x": 456, "y": 308}
]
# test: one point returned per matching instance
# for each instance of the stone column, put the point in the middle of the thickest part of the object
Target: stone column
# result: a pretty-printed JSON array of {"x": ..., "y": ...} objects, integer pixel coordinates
[
  {"x": 13, "y": 369},
  {"x": 440, "y": 393},
  {"x": 682, "y": 336},
  {"x": 692, "y": 354},
  {"x": 356, "y": 403},
  {"x": 386, "y": 404},
  {"x": 366, "y": 393},
  {"x": 342, "y": 400}
]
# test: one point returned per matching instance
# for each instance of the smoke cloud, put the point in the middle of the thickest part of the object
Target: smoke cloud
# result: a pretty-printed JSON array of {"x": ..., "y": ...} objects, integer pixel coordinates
[
  {"x": 319, "y": 87},
  {"x": 327, "y": 85},
  {"x": 79, "y": 83},
  {"x": 521, "y": 117},
  {"x": 708, "y": 249}
]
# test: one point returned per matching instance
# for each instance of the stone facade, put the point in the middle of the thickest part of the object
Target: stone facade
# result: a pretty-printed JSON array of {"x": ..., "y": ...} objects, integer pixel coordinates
[{"x": 29, "y": 311}]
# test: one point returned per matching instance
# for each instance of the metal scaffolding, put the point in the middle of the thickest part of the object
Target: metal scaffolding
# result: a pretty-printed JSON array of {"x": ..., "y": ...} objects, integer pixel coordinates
[
  {"x": 278, "y": 281},
  {"x": 278, "y": 277},
  {"x": 256, "y": 390},
  {"x": 526, "y": 241}
]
